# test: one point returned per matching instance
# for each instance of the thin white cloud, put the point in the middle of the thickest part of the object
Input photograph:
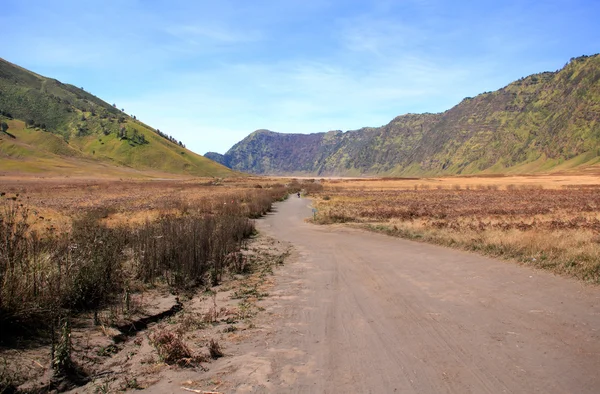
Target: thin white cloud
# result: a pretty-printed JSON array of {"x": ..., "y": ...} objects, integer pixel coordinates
[
  {"x": 200, "y": 33},
  {"x": 210, "y": 72},
  {"x": 289, "y": 97},
  {"x": 379, "y": 36}
]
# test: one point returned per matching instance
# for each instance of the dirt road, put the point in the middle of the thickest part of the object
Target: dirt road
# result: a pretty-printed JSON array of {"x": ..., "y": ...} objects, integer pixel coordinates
[{"x": 360, "y": 312}]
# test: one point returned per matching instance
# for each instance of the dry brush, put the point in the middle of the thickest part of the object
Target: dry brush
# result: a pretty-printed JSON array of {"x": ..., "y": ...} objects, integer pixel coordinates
[{"x": 555, "y": 229}]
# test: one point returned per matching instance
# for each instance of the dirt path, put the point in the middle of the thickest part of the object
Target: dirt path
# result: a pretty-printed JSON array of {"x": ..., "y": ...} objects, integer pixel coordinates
[
  {"x": 363, "y": 312},
  {"x": 358, "y": 312}
]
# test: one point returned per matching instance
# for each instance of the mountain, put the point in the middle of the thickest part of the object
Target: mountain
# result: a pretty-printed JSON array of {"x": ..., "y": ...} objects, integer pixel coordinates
[
  {"x": 47, "y": 126},
  {"x": 544, "y": 122}
]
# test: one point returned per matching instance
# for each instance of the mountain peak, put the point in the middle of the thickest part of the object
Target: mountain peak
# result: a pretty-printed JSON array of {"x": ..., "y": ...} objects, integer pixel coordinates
[
  {"x": 542, "y": 122},
  {"x": 262, "y": 131}
]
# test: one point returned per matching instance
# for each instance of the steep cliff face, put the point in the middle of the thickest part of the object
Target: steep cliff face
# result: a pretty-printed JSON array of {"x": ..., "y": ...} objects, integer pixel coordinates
[{"x": 542, "y": 122}]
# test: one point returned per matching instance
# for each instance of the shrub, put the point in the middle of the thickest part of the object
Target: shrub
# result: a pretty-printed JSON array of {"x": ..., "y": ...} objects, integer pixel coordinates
[
  {"x": 41, "y": 276},
  {"x": 92, "y": 264},
  {"x": 47, "y": 275},
  {"x": 170, "y": 348},
  {"x": 312, "y": 187},
  {"x": 182, "y": 250},
  {"x": 215, "y": 349}
]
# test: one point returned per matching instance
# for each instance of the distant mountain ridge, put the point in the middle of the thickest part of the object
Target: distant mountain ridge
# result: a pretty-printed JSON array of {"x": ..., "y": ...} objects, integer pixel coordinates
[
  {"x": 48, "y": 125},
  {"x": 543, "y": 122}
]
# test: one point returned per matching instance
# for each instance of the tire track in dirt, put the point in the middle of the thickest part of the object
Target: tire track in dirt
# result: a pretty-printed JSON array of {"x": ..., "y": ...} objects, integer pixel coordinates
[
  {"x": 380, "y": 314},
  {"x": 359, "y": 312}
]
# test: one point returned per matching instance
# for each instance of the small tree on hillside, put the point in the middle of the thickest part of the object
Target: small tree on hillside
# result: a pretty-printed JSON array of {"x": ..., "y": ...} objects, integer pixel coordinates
[{"x": 3, "y": 127}]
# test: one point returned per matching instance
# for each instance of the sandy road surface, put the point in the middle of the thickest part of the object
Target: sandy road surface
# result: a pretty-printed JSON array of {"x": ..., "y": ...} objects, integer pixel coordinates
[{"x": 358, "y": 312}]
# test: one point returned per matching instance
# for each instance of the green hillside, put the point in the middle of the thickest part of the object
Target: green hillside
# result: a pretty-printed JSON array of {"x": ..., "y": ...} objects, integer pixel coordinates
[
  {"x": 50, "y": 126},
  {"x": 544, "y": 122}
]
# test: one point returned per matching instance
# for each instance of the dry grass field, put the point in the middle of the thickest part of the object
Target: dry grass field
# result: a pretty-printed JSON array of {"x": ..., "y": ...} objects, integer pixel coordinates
[
  {"x": 71, "y": 248},
  {"x": 48, "y": 222},
  {"x": 550, "y": 222},
  {"x": 59, "y": 200}
]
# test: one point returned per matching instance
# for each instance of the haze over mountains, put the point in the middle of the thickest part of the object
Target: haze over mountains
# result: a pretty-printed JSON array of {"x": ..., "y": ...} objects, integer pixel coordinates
[
  {"x": 544, "y": 122},
  {"x": 51, "y": 127}
]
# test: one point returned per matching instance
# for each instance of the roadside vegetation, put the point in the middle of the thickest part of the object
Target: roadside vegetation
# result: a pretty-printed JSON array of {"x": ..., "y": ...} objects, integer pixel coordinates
[
  {"x": 77, "y": 249},
  {"x": 544, "y": 225}
]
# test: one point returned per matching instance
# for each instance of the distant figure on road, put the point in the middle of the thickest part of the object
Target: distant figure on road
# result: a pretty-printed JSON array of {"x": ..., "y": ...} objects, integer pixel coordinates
[{"x": 298, "y": 194}]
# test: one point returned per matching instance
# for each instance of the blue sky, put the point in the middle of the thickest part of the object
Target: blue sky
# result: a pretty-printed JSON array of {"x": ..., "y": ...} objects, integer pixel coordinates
[{"x": 211, "y": 72}]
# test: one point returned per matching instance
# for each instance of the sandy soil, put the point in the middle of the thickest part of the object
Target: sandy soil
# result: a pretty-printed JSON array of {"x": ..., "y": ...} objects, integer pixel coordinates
[
  {"x": 119, "y": 355},
  {"x": 358, "y": 312}
]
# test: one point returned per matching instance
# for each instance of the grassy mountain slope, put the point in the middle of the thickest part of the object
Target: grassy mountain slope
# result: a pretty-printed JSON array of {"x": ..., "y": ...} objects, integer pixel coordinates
[
  {"x": 52, "y": 125},
  {"x": 543, "y": 122}
]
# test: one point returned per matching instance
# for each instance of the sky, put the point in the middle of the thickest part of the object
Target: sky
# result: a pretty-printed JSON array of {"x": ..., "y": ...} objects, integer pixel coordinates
[{"x": 211, "y": 72}]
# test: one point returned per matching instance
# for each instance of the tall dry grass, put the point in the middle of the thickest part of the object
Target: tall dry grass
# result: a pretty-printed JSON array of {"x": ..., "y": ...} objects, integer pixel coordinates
[
  {"x": 555, "y": 229},
  {"x": 42, "y": 275},
  {"x": 48, "y": 272}
]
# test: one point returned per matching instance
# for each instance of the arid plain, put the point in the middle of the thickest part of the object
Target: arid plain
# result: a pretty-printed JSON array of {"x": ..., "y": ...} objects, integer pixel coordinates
[{"x": 548, "y": 222}]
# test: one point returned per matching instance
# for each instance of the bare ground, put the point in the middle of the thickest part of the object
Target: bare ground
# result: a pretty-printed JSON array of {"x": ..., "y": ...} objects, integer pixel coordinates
[
  {"x": 119, "y": 354},
  {"x": 358, "y": 312}
]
